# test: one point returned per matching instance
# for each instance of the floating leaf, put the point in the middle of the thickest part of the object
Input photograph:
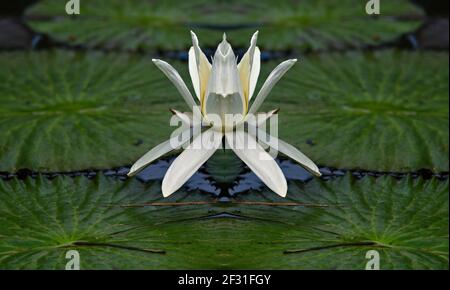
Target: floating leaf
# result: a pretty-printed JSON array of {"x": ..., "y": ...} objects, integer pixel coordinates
[
  {"x": 324, "y": 24},
  {"x": 63, "y": 111},
  {"x": 42, "y": 219},
  {"x": 139, "y": 24},
  {"x": 133, "y": 24},
  {"x": 383, "y": 111},
  {"x": 332, "y": 225},
  {"x": 128, "y": 225}
]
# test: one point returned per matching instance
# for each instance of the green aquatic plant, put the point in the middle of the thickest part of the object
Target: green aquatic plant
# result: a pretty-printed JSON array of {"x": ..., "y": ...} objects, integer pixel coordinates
[
  {"x": 149, "y": 25},
  {"x": 117, "y": 224}
]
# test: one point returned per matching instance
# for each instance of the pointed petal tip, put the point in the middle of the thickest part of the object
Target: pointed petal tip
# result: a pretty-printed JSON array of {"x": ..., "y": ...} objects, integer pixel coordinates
[
  {"x": 134, "y": 169},
  {"x": 132, "y": 172},
  {"x": 282, "y": 191},
  {"x": 194, "y": 38},
  {"x": 224, "y": 37},
  {"x": 281, "y": 188},
  {"x": 314, "y": 170},
  {"x": 254, "y": 36},
  {"x": 166, "y": 189},
  {"x": 166, "y": 193}
]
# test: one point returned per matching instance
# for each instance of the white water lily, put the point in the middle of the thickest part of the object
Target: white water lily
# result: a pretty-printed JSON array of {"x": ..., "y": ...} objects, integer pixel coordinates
[{"x": 224, "y": 88}]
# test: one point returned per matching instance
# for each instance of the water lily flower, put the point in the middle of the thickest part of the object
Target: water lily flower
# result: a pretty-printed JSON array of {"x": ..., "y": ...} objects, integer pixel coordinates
[{"x": 223, "y": 88}]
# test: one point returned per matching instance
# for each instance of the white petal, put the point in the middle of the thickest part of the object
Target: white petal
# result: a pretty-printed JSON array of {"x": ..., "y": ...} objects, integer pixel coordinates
[
  {"x": 159, "y": 151},
  {"x": 249, "y": 68},
  {"x": 273, "y": 78},
  {"x": 175, "y": 78},
  {"x": 190, "y": 160},
  {"x": 258, "y": 160},
  {"x": 288, "y": 150},
  {"x": 260, "y": 118},
  {"x": 199, "y": 68},
  {"x": 193, "y": 71},
  {"x": 224, "y": 94},
  {"x": 254, "y": 74},
  {"x": 186, "y": 118}
]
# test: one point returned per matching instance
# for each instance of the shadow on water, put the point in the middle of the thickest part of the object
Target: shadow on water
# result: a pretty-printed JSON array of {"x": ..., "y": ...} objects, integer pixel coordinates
[
  {"x": 199, "y": 181},
  {"x": 205, "y": 182}
]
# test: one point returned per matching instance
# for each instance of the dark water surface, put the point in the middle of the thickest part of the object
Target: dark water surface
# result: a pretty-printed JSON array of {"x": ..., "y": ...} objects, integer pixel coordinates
[{"x": 205, "y": 182}]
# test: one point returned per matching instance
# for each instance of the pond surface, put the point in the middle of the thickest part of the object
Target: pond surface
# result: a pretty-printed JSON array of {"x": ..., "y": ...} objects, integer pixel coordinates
[{"x": 368, "y": 101}]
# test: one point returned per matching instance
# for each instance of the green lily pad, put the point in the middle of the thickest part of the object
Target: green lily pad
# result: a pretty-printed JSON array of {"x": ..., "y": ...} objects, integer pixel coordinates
[
  {"x": 383, "y": 111},
  {"x": 323, "y": 24},
  {"x": 63, "y": 111},
  {"x": 332, "y": 225},
  {"x": 42, "y": 219},
  {"x": 134, "y": 24},
  {"x": 139, "y": 24},
  {"x": 117, "y": 224}
]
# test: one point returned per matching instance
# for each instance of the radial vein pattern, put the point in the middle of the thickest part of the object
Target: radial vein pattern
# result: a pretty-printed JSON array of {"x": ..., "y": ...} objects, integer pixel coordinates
[
  {"x": 383, "y": 111},
  {"x": 308, "y": 24},
  {"x": 65, "y": 111},
  {"x": 128, "y": 225}
]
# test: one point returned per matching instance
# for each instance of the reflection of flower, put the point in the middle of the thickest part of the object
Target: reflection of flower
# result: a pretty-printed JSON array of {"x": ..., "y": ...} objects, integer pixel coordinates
[{"x": 224, "y": 89}]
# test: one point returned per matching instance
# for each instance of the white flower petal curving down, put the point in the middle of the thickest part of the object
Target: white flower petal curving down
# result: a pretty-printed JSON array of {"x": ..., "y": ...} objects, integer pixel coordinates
[{"x": 224, "y": 89}]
